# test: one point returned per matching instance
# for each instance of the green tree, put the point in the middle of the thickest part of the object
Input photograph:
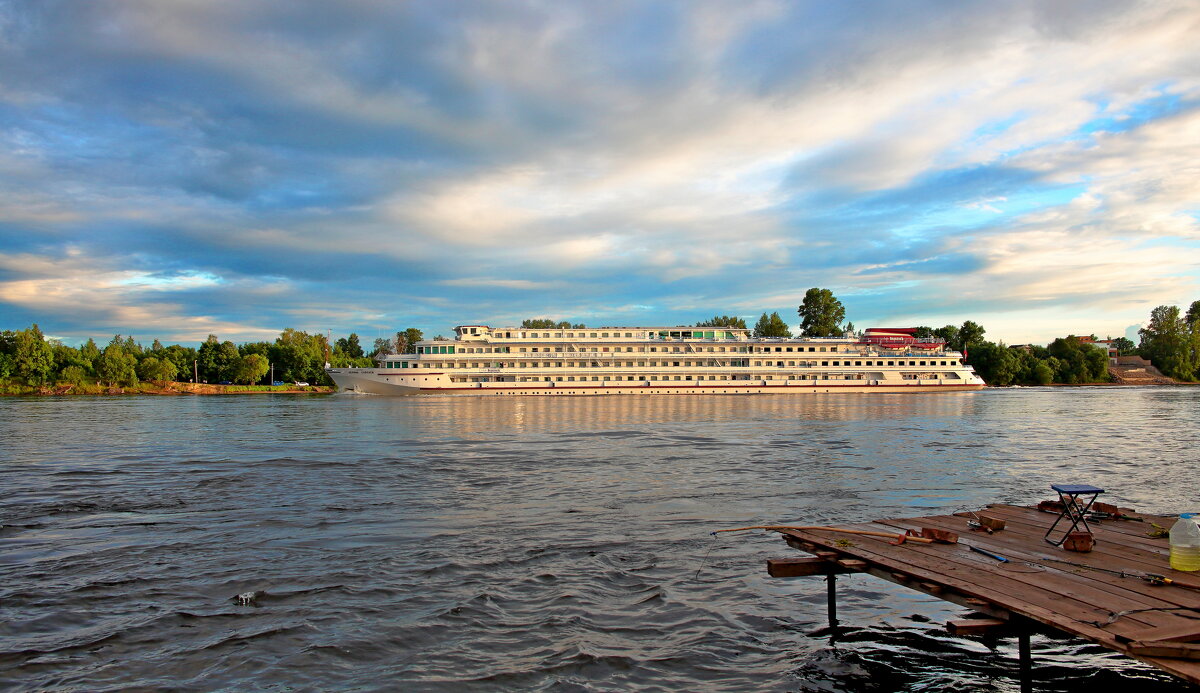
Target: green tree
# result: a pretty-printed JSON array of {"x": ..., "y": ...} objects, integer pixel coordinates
[
  {"x": 298, "y": 356},
  {"x": 542, "y": 324},
  {"x": 207, "y": 359},
  {"x": 950, "y": 334},
  {"x": 406, "y": 341},
  {"x": 350, "y": 346},
  {"x": 74, "y": 375},
  {"x": 772, "y": 326},
  {"x": 115, "y": 367},
  {"x": 183, "y": 358},
  {"x": 382, "y": 346},
  {"x": 1165, "y": 341},
  {"x": 68, "y": 357},
  {"x": 1193, "y": 313},
  {"x": 821, "y": 314},
  {"x": 249, "y": 369},
  {"x": 923, "y": 332},
  {"x": 1042, "y": 373},
  {"x": 969, "y": 334},
  {"x": 995, "y": 363},
  {"x": 90, "y": 352},
  {"x": 723, "y": 321},
  {"x": 1124, "y": 346},
  {"x": 33, "y": 356},
  {"x": 159, "y": 370}
]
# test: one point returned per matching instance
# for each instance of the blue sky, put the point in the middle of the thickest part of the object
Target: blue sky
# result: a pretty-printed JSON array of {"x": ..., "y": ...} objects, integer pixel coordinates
[{"x": 174, "y": 169}]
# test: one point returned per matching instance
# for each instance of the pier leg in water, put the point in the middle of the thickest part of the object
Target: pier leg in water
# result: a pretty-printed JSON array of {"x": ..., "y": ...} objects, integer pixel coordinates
[
  {"x": 831, "y": 593},
  {"x": 1026, "y": 662}
]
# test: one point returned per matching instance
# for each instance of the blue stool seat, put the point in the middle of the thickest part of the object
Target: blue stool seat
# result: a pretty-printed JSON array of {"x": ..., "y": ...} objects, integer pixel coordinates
[{"x": 1076, "y": 500}]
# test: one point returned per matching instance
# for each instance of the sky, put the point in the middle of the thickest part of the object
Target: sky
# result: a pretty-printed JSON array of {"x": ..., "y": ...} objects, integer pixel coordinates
[{"x": 175, "y": 168}]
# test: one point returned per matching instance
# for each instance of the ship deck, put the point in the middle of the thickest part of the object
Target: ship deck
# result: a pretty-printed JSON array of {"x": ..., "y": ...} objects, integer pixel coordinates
[{"x": 1156, "y": 623}]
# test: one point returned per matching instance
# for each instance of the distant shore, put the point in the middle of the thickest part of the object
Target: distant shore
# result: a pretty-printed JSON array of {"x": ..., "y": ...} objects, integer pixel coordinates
[{"x": 160, "y": 388}]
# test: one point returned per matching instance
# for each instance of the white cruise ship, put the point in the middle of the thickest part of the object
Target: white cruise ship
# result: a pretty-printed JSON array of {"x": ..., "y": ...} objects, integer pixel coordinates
[{"x": 661, "y": 360}]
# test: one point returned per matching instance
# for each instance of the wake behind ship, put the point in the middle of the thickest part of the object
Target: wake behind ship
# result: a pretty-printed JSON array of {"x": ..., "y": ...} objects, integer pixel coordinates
[{"x": 662, "y": 360}]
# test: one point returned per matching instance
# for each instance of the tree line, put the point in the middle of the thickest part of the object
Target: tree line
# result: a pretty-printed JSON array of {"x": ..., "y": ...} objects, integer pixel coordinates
[
  {"x": 1171, "y": 340},
  {"x": 296, "y": 356}
]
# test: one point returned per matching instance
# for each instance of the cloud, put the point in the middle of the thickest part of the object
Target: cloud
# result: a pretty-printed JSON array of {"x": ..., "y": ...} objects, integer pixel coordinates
[{"x": 250, "y": 167}]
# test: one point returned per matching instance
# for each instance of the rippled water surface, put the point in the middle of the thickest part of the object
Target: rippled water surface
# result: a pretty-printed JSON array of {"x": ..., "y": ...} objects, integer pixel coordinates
[{"x": 459, "y": 543}]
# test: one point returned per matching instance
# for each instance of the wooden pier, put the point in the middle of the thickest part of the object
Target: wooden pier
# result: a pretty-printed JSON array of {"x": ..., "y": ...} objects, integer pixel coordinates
[{"x": 1038, "y": 587}]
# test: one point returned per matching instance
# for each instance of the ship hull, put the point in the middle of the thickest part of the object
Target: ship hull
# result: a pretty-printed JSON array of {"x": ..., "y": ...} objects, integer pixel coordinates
[{"x": 371, "y": 383}]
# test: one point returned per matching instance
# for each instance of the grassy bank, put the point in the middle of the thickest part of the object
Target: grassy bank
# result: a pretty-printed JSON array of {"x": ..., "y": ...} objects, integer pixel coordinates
[{"x": 11, "y": 387}]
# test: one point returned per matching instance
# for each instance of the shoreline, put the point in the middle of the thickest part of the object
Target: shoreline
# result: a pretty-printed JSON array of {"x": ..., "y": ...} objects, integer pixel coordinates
[{"x": 171, "y": 389}]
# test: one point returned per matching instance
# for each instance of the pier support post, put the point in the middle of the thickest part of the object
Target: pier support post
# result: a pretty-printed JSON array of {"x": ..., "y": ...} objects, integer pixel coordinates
[
  {"x": 831, "y": 597},
  {"x": 1025, "y": 660}
]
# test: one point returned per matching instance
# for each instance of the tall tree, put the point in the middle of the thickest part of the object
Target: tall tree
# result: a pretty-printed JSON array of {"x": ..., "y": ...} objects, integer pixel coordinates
[
  {"x": 249, "y": 368},
  {"x": 207, "y": 358},
  {"x": 821, "y": 314},
  {"x": 152, "y": 368},
  {"x": 90, "y": 352},
  {"x": 406, "y": 341},
  {"x": 1124, "y": 346},
  {"x": 350, "y": 346},
  {"x": 970, "y": 334},
  {"x": 772, "y": 326},
  {"x": 723, "y": 321},
  {"x": 950, "y": 334},
  {"x": 1165, "y": 342},
  {"x": 33, "y": 356},
  {"x": 1193, "y": 313},
  {"x": 382, "y": 346},
  {"x": 115, "y": 367}
]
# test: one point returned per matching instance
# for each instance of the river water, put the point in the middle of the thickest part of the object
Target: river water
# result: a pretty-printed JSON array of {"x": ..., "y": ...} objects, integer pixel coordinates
[{"x": 460, "y": 543}]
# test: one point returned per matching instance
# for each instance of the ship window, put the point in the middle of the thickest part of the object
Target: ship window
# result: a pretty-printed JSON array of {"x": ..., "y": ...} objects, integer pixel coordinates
[
  {"x": 628, "y": 334},
  {"x": 593, "y": 334},
  {"x": 822, "y": 348},
  {"x": 858, "y": 363},
  {"x": 789, "y": 348},
  {"x": 922, "y": 363}
]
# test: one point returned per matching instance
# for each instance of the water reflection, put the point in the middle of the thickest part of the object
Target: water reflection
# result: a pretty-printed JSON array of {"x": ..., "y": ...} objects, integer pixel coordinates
[
  {"x": 527, "y": 543},
  {"x": 473, "y": 417}
]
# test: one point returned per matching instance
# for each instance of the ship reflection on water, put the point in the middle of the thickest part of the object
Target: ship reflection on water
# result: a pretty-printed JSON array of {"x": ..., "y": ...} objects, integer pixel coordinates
[{"x": 472, "y": 417}]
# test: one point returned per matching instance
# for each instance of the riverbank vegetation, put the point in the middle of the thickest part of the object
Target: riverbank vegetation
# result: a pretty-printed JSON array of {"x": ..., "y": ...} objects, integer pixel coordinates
[{"x": 30, "y": 363}]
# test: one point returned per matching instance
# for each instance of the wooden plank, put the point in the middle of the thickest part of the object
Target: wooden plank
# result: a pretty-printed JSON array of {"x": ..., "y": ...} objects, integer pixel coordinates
[
  {"x": 1165, "y": 648},
  {"x": 1185, "y": 633},
  {"x": 976, "y": 626},
  {"x": 1105, "y": 553},
  {"x": 1125, "y": 533},
  {"x": 803, "y": 567},
  {"x": 1095, "y": 588}
]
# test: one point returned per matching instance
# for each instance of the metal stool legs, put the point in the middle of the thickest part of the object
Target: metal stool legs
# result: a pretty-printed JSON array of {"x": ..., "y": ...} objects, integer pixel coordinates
[{"x": 1077, "y": 500}]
